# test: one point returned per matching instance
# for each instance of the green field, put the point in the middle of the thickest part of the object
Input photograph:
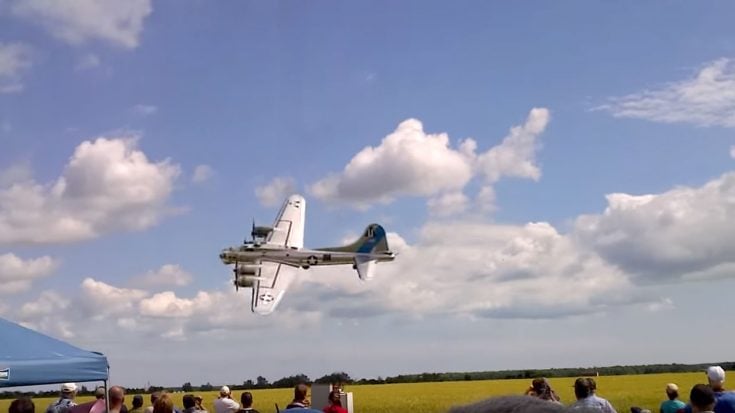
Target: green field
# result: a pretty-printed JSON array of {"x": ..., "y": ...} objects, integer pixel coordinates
[{"x": 646, "y": 391}]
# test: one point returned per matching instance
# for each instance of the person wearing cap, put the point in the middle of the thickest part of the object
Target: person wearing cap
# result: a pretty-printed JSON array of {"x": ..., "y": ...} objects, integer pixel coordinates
[
  {"x": 584, "y": 390},
  {"x": 725, "y": 399},
  {"x": 673, "y": 404},
  {"x": 66, "y": 399},
  {"x": 225, "y": 404},
  {"x": 99, "y": 405}
]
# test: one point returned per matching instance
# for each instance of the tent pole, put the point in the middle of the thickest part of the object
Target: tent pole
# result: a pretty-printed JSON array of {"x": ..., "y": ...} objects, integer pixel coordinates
[{"x": 107, "y": 394}]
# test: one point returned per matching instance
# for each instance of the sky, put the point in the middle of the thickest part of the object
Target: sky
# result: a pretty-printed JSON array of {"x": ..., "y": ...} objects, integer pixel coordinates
[{"x": 558, "y": 180}]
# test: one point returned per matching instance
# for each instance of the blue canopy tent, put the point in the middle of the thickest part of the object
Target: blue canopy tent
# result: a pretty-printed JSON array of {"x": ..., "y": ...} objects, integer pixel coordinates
[{"x": 29, "y": 358}]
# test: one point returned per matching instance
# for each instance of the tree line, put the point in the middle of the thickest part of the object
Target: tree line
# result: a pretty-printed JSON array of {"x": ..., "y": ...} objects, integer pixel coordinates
[{"x": 341, "y": 377}]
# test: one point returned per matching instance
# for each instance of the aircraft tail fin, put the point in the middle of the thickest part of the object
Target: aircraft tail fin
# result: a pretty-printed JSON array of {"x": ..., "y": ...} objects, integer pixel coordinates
[{"x": 372, "y": 241}]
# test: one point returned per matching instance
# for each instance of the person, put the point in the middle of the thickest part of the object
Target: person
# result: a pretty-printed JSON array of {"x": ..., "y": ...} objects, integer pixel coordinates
[
  {"x": 702, "y": 399},
  {"x": 154, "y": 396},
  {"x": 163, "y": 404},
  {"x": 225, "y": 404},
  {"x": 672, "y": 405},
  {"x": 246, "y": 400},
  {"x": 99, "y": 404},
  {"x": 66, "y": 399},
  {"x": 137, "y": 404},
  {"x": 584, "y": 391},
  {"x": 725, "y": 399},
  {"x": 300, "y": 401},
  {"x": 335, "y": 404},
  {"x": 116, "y": 398},
  {"x": 541, "y": 388},
  {"x": 198, "y": 401},
  {"x": 22, "y": 405},
  {"x": 190, "y": 405}
]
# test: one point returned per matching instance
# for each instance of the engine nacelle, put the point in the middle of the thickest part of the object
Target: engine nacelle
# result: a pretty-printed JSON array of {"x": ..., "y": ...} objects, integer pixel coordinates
[
  {"x": 245, "y": 281},
  {"x": 251, "y": 270}
]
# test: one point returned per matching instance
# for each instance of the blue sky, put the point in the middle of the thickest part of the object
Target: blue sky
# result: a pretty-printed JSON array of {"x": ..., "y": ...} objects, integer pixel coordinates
[{"x": 552, "y": 175}]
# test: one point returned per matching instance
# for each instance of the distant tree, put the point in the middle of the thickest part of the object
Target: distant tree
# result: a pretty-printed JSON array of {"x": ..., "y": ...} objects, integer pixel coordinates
[
  {"x": 206, "y": 387},
  {"x": 335, "y": 378},
  {"x": 248, "y": 384},
  {"x": 261, "y": 382},
  {"x": 291, "y": 381},
  {"x": 187, "y": 387}
]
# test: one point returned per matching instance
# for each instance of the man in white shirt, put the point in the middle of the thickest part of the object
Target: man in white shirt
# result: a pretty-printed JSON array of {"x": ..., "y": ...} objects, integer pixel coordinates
[{"x": 225, "y": 404}]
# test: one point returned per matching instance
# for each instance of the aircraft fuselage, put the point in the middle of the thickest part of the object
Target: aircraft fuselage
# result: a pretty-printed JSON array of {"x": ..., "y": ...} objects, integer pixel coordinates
[{"x": 296, "y": 257}]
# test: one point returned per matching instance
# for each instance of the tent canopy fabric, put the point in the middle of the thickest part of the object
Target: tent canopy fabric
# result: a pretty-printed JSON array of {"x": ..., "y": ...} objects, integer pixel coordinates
[{"x": 29, "y": 358}]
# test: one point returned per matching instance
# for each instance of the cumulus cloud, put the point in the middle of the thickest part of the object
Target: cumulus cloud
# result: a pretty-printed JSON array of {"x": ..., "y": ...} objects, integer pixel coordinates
[
  {"x": 202, "y": 173},
  {"x": 78, "y": 21},
  {"x": 706, "y": 99},
  {"x": 682, "y": 233},
  {"x": 516, "y": 155},
  {"x": 411, "y": 162},
  {"x": 167, "y": 275},
  {"x": 275, "y": 191},
  {"x": 15, "y": 59},
  {"x": 17, "y": 274},
  {"x": 144, "y": 110},
  {"x": 448, "y": 204},
  {"x": 43, "y": 314},
  {"x": 476, "y": 269},
  {"x": 107, "y": 185},
  {"x": 105, "y": 309}
]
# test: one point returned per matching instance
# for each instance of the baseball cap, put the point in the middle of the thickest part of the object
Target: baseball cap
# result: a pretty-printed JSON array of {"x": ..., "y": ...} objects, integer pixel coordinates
[
  {"x": 224, "y": 389},
  {"x": 68, "y": 388},
  {"x": 715, "y": 373},
  {"x": 672, "y": 387}
]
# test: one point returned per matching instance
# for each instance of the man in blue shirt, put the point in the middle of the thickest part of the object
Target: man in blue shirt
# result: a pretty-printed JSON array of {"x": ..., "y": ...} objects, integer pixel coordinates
[
  {"x": 725, "y": 399},
  {"x": 584, "y": 390}
]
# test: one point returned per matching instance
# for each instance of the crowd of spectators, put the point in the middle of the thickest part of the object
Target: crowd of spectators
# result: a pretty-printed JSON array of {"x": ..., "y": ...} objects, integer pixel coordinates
[{"x": 538, "y": 398}]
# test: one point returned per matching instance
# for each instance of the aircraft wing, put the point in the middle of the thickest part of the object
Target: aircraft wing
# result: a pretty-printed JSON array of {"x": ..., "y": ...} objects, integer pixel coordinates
[
  {"x": 288, "y": 230},
  {"x": 269, "y": 290}
]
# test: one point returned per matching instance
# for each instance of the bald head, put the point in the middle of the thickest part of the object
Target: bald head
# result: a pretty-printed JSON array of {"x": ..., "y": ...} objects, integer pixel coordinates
[{"x": 117, "y": 395}]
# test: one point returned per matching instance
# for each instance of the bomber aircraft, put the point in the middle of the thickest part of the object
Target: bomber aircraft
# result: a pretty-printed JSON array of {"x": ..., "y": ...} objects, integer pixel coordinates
[{"x": 268, "y": 263}]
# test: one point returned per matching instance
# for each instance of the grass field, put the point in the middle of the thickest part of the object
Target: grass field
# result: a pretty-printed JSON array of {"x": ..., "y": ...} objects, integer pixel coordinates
[{"x": 646, "y": 391}]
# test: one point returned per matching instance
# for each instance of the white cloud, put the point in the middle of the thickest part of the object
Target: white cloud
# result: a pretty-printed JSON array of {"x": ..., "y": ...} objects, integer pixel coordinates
[
  {"x": 475, "y": 269},
  {"x": 88, "y": 61},
  {"x": 17, "y": 173},
  {"x": 516, "y": 155},
  {"x": 78, "y": 21},
  {"x": 202, "y": 173},
  {"x": 108, "y": 185},
  {"x": 682, "y": 233},
  {"x": 407, "y": 162},
  {"x": 15, "y": 59},
  {"x": 17, "y": 274},
  {"x": 410, "y": 162},
  {"x": 732, "y": 152},
  {"x": 43, "y": 314},
  {"x": 707, "y": 99},
  {"x": 167, "y": 275},
  {"x": 100, "y": 300},
  {"x": 275, "y": 191},
  {"x": 449, "y": 203},
  {"x": 144, "y": 110}
]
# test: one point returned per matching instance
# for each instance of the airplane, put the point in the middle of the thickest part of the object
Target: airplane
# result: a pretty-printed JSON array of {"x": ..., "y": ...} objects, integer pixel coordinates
[{"x": 269, "y": 262}]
